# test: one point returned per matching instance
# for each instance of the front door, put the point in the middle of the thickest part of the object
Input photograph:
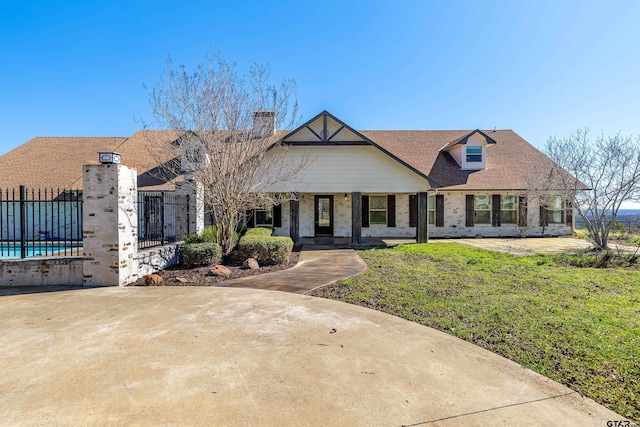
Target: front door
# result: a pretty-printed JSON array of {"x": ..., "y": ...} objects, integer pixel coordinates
[{"x": 324, "y": 215}]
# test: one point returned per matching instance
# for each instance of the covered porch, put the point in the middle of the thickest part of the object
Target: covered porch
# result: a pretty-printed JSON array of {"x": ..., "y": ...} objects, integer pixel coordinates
[{"x": 355, "y": 218}]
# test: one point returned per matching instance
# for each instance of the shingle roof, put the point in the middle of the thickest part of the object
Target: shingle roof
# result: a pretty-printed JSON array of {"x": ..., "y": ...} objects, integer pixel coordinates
[
  {"x": 52, "y": 161},
  {"x": 508, "y": 160},
  {"x": 57, "y": 161}
]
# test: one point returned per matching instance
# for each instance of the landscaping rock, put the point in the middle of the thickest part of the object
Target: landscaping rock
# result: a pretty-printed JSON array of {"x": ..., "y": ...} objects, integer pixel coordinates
[
  {"x": 219, "y": 270},
  {"x": 182, "y": 280},
  {"x": 152, "y": 279},
  {"x": 250, "y": 263}
]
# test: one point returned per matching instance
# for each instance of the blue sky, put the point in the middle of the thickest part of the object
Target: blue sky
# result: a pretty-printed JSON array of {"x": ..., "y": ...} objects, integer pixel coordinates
[{"x": 542, "y": 68}]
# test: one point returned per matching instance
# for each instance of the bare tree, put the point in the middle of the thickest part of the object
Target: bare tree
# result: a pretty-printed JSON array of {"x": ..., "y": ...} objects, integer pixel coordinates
[
  {"x": 225, "y": 126},
  {"x": 549, "y": 189},
  {"x": 607, "y": 172}
]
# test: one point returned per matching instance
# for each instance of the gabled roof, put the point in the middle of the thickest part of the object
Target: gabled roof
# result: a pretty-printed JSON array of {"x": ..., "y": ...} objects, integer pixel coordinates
[
  {"x": 463, "y": 139},
  {"x": 325, "y": 129},
  {"x": 509, "y": 164},
  {"x": 57, "y": 162},
  {"x": 336, "y": 132}
]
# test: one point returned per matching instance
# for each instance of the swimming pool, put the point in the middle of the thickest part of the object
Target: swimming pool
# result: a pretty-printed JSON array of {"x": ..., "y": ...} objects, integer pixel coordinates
[{"x": 12, "y": 250}]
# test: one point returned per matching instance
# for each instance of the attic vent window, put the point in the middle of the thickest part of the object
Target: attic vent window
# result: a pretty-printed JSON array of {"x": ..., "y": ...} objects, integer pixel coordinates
[{"x": 474, "y": 154}]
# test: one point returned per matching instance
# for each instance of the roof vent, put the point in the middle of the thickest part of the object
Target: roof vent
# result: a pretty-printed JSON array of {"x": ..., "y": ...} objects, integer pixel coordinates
[{"x": 264, "y": 124}]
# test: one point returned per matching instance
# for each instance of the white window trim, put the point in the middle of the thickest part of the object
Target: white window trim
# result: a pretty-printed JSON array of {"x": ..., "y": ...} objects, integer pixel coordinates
[
  {"x": 475, "y": 222},
  {"x": 562, "y": 211},
  {"x": 482, "y": 164},
  {"x": 516, "y": 201},
  {"x": 467, "y": 154},
  {"x": 386, "y": 213},
  {"x": 431, "y": 207}
]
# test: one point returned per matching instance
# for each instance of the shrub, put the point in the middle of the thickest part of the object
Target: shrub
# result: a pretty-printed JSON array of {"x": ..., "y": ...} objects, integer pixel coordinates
[
  {"x": 193, "y": 238},
  {"x": 199, "y": 254},
  {"x": 210, "y": 234},
  {"x": 267, "y": 250},
  {"x": 259, "y": 231}
]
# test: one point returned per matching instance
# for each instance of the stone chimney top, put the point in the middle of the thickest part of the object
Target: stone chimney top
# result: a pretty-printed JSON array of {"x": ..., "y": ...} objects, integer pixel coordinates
[{"x": 264, "y": 124}]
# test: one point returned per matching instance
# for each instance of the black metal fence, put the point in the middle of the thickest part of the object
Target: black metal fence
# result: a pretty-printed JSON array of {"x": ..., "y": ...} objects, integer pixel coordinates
[
  {"x": 40, "y": 222},
  {"x": 163, "y": 217}
]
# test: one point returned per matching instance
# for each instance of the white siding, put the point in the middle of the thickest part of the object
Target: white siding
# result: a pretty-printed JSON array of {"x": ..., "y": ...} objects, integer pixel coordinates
[
  {"x": 457, "y": 152},
  {"x": 340, "y": 169}
]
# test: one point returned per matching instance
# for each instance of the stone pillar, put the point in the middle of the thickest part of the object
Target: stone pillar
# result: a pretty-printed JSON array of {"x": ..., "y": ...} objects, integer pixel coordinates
[
  {"x": 109, "y": 225},
  {"x": 294, "y": 220},
  {"x": 195, "y": 214},
  {"x": 356, "y": 218},
  {"x": 423, "y": 222}
]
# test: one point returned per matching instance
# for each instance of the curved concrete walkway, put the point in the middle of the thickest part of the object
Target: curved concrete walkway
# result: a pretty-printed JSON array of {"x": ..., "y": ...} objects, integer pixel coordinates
[
  {"x": 318, "y": 266},
  {"x": 219, "y": 356}
]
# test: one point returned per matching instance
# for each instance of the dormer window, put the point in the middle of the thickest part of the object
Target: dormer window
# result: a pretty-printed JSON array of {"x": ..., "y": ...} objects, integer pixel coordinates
[
  {"x": 470, "y": 151},
  {"x": 474, "y": 154}
]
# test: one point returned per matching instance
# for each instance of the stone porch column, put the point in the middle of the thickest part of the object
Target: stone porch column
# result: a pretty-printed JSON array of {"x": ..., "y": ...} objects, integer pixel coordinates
[{"x": 109, "y": 225}]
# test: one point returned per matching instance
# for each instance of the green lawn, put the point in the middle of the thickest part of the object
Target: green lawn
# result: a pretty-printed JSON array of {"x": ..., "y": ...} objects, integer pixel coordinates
[{"x": 578, "y": 326}]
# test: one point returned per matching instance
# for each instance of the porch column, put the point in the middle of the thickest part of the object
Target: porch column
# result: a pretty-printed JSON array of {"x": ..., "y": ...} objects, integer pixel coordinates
[
  {"x": 422, "y": 231},
  {"x": 356, "y": 217},
  {"x": 294, "y": 220},
  {"x": 109, "y": 225}
]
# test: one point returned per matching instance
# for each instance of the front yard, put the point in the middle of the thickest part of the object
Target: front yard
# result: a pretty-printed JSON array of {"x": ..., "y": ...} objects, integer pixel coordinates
[{"x": 578, "y": 326}]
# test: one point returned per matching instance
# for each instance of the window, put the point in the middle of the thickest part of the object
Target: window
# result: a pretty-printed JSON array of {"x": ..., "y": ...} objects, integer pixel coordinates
[
  {"x": 554, "y": 211},
  {"x": 508, "y": 209},
  {"x": 482, "y": 210},
  {"x": 378, "y": 210},
  {"x": 474, "y": 154},
  {"x": 431, "y": 209},
  {"x": 264, "y": 217}
]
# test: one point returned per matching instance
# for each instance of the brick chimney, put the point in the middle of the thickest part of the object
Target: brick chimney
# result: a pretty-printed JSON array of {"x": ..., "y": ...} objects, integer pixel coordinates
[{"x": 264, "y": 124}]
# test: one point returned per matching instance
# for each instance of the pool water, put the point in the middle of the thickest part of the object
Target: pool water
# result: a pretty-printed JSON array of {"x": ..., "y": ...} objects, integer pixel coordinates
[{"x": 11, "y": 251}]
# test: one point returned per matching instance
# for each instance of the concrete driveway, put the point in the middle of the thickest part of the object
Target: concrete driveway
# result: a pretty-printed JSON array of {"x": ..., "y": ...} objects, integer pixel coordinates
[
  {"x": 528, "y": 246},
  {"x": 222, "y": 356}
]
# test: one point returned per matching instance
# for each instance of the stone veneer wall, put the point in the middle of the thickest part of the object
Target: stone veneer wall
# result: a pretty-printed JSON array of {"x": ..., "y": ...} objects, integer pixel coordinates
[
  {"x": 155, "y": 259},
  {"x": 454, "y": 221},
  {"x": 110, "y": 225},
  {"x": 110, "y": 236},
  {"x": 41, "y": 272}
]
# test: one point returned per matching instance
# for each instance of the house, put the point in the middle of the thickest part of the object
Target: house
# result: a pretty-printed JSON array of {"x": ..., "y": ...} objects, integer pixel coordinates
[
  {"x": 357, "y": 184},
  {"x": 463, "y": 183}
]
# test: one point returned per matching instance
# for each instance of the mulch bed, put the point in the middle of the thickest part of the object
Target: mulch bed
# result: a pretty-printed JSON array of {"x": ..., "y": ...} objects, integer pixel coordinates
[{"x": 198, "y": 276}]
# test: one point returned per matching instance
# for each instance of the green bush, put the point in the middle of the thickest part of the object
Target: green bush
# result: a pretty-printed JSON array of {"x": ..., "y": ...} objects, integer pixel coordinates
[
  {"x": 267, "y": 250},
  {"x": 199, "y": 254},
  {"x": 211, "y": 234},
  {"x": 259, "y": 231},
  {"x": 193, "y": 238}
]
